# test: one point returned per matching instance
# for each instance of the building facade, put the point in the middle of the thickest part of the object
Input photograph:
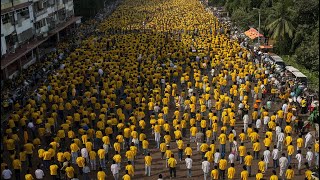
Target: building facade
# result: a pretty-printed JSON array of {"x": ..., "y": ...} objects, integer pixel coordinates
[{"x": 25, "y": 25}]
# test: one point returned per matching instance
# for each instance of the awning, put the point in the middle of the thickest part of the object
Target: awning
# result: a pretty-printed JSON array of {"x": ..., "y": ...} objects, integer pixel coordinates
[
  {"x": 252, "y": 33},
  {"x": 266, "y": 47}
]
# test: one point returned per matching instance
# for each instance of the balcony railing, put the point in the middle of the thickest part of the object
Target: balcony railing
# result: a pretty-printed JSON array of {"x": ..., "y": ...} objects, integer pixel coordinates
[{"x": 39, "y": 13}]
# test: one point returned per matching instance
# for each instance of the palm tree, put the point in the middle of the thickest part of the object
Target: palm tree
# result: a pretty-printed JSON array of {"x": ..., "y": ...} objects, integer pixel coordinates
[{"x": 280, "y": 23}]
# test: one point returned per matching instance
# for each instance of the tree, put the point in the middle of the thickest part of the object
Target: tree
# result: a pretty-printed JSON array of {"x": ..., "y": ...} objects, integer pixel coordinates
[{"x": 280, "y": 20}]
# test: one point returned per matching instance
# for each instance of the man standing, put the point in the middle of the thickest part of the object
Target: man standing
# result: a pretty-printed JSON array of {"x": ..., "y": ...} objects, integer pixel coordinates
[
  {"x": 172, "y": 163},
  {"x": 39, "y": 173},
  {"x": 199, "y": 139},
  {"x": 115, "y": 170},
  {"x": 222, "y": 167},
  {"x": 280, "y": 140},
  {"x": 188, "y": 165},
  {"x": 308, "y": 138},
  {"x": 309, "y": 156},
  {"x": 157, "y": 136},
  {"x": 283, "y": 162},
  {"x": 205, "y": 168},
  {"x": 148, "y": 160},
  {"x": 266, "y": 155},
  {"x": 6, "y": 173},
  {"x": 248, "y": 162},
  {"x": 275, "y": 157},
  {"x": 299, "y": 159}
]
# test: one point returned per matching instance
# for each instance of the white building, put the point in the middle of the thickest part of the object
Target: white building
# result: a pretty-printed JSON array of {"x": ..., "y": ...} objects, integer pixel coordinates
[{"x": 25, "y": 25}]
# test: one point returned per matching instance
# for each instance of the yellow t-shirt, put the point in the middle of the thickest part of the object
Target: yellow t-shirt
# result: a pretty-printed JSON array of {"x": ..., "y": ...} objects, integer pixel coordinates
[
  {"x": 289, "y": 174},
  {"x": 148, "y": 160},
  {"x": 231, "y": 172},
  {"x": 101, "y": 175},
  {"x": 215, "y": 174},
  {"x": 126, "y": 177},
  {"x": 244, "y": 175},
  {"x": 172, "y": 162},
  {"x": 53, "y": 169},
  {"x": 28, "y": 177}
]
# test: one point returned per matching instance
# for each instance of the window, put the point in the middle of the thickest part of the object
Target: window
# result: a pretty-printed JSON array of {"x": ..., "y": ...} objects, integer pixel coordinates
[
  {"x": 40, "y": 24},
  {"x": 24, "y": 12},
  {"x": 7, "y": 18}
]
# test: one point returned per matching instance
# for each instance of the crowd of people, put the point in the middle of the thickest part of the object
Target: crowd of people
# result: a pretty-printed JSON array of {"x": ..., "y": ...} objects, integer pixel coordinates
[{"x": 160, "y": 83}]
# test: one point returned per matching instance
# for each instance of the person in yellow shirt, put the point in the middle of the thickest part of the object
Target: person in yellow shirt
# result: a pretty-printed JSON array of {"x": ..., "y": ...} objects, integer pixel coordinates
[
  {"x": 259, "y": 175},
  {"x": 316, "y": 152},
  {"x": 29, "y": 147},
  {"x": 117, "y": 158},
  {"x": 101, "y": 175},
  {"x": 148, "y": 161},
  {"x": 244, "y": 174},
  {"x": 193, "y": 132},
  {"x": 267, "y": 141},
  {"x": 163, "y": 148},
  {"x": 242, "y": 152},
  {"x": 80, "y": 162},
  {"x": 222, "y": 138},
  {"x": 262, "y": 165},
  {"x": 145, "y": 146},
  {"x": 130, "y": 169},
  {"x": 93, "y": 160},
  {"x": 308, "y": 174},
  {"x": 180, "y": 148},
  {"x": 290, "y": 151},
  {"x": 130, "y": 155},
  {"x": 231, "y": 172},
  {"x": 102, "y": 154},
  {"x": 54, "y": 171},
  {"x": 70, "y": 171},
  {"x": 299, "y": 142},
  {"x": 17, "y": 166},
  {"x": 256, "y": 149},
  {"x": 204, "y": 148},
  {"x": 215, "y": 173},
  {"x": 248, "y": 162},
  {"x": 289, "y": 173},
  {"x": 274, "y": 175},
  {"x": 28, "y": 175},
  {"x": 222, "y": 167},
  {"x": 172, "y": 163},
  {"x": 126, "y": 176},
  {"x": 74, "y": 151},
  {"x": 188, "y": 150}
]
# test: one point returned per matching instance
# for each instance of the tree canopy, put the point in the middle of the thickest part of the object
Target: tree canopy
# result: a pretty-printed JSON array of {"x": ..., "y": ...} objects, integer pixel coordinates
[{"x": 292, "y": 24}]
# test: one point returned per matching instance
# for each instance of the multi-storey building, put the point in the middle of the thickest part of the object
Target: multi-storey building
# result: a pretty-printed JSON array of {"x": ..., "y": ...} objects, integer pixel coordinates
[{"x": 25, "y": 25}]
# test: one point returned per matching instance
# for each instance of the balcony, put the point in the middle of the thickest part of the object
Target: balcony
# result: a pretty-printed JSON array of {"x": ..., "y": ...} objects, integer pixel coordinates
[{"x": 39, "y": 13}]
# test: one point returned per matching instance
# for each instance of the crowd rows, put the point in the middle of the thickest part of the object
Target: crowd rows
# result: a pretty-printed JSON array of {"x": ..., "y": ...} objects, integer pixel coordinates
[{"x": 180, "y": 90}]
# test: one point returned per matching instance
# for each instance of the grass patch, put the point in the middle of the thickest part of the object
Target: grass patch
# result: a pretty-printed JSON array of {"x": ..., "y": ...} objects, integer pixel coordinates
[{"x": 313, "y": 77}]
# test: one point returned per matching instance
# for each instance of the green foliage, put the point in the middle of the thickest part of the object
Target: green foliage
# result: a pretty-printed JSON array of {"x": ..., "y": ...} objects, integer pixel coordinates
[
  {"x": 280, "y": 20},
  {"x": 216, "y": 3},
  {"x": 293, "y": 24},
  {"x": 241, "y": 18},
  {"x": 313, "y": 116},
  {"x": 308, "y": 51}
]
